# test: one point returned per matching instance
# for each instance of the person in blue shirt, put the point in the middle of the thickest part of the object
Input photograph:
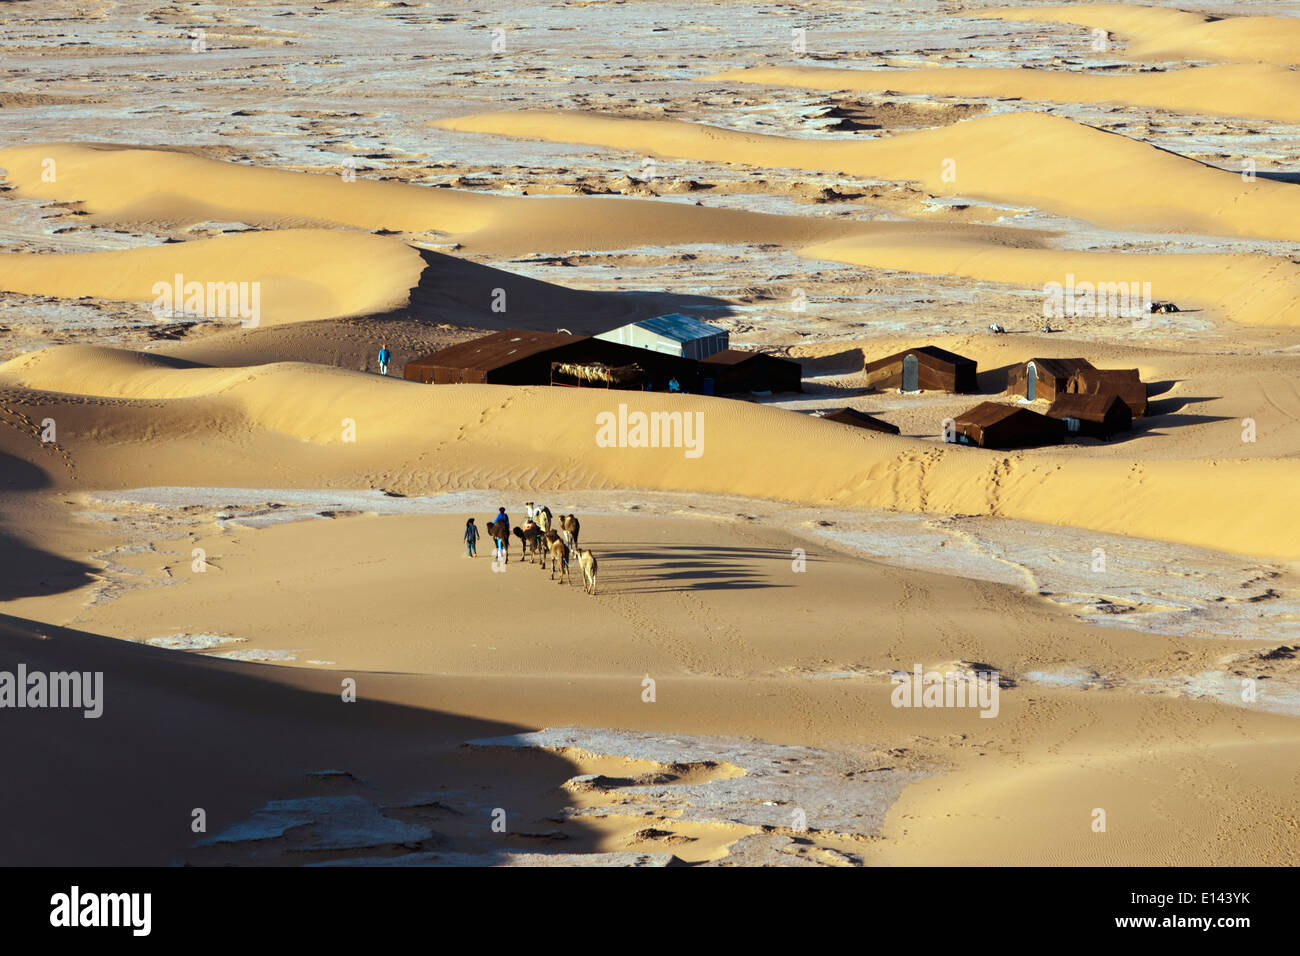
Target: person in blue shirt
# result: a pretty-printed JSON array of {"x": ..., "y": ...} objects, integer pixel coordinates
[
  {"x": 674, "y": 385},
  {"x": 501, "y": 516},
  {"x": 384, "y": 357}
]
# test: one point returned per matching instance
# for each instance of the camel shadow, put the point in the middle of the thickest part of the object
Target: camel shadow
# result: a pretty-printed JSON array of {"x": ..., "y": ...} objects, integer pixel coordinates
[{"x": 650, "y": 568}]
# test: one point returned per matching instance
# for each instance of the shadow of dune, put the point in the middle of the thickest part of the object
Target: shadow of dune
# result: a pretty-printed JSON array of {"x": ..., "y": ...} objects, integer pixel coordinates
[
  {"x": 26, "y": 569},
  {"x": 453, "y": 300},
  {"x": 473, "y": 295},
  {"x": 29, "y": 571},
  {"x": 19, "y": 474},
  {"x": 181, "y": 731}
]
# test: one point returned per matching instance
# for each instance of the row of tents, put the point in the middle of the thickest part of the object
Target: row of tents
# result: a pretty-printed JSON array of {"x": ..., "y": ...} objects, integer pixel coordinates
[
  {"x": 929, "y": 368},
  {"x": 1084, "y": 400},
  {"x": 651, "y": 355},
  {"x": 1002, "y": 426}
]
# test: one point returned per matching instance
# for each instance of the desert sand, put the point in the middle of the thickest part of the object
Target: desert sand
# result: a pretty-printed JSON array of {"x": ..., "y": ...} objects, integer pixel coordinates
[
  {"x": 257, "y": 539},
  {"x": 1211, "y": 89}
]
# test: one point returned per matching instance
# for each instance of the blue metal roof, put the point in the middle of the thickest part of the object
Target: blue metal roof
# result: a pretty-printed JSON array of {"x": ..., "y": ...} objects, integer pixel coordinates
[{"x": 678, "y": 327}]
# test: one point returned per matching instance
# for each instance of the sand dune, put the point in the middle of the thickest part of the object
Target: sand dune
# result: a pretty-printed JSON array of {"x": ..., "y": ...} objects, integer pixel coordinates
[
  {"x": 1161, "y": 32},
  {"x": 131, "y": 186},
  {"x": 1250, "y": 289},
  {"x": 993, "y": 804},
  {"x": 1261, "y": 90},
  {"x": 422, "y": 438},
  {"x": 300, "y": 274},
  {"x": 323, "y": 274},
  {"x": 1014, "y": 158}
]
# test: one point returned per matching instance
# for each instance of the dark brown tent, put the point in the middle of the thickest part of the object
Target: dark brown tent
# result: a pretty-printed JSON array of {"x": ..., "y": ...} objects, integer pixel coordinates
[
  {"x": 1100, "y": 415},
  {"x": 735, "y": 370},
  {"x": 501, "y": 358},
  {"x": 1044, "y": 378},
  {"x": 1124, "y": 382},
  {"x": 927, "y": 367},
  {"x": 992, "y": 425},
  {"x": 851, "y": 416},
  {"x": 515, "y": 357}
]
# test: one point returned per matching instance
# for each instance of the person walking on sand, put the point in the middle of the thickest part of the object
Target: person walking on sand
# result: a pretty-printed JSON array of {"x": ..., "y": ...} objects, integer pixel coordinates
[
  {"x": 384, "y": 357},
  {"x": 500, "y": 542},
  {"x": 471, "y": 538}
]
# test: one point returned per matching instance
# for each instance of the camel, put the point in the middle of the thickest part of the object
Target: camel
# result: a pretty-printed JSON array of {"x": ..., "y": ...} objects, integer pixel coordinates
[
  {"x": 548, "y": 540},
  {"x": 500, "y": 530},
  {"x": 559, "y": 552},
  {"x": 531, "y": 540},
  {"x": 587, "y": 561},
  {"x": 569, "y": 529},
  {"x": 543, "y": 518}
]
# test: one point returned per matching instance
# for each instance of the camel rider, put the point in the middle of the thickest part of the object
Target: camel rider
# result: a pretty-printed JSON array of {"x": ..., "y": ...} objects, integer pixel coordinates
[{"x": 502, "y": 516}]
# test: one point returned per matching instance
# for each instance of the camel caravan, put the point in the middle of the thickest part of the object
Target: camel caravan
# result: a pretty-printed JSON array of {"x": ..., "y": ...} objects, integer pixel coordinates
[{"x": 552, "y": 540}]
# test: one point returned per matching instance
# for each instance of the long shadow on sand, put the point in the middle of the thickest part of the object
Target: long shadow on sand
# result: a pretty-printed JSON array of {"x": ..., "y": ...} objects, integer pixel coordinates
[
  {"x": 466, "y": 293},
  {"x": 650, "y": 567},
  {"x": 180, "y": 731},
  {"x": 1163, "y": 416},
  {"x": 27, "y": 570},
  {"x": 453, "y": 298}
]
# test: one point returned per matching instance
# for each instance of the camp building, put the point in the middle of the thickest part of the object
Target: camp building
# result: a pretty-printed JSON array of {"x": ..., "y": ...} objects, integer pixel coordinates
[
  {"x": 518, "y": 357},
  {"x": 1044, "y": 378},
  {"x": 926, "y": 368},
  {"x": 732, "y": 371},
  {"x": 674, "y": 334},
  {"x": 993, "y": 425},
  {"x": 1124, "y": 382},
  {"x": 1098, "y": 415}
]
